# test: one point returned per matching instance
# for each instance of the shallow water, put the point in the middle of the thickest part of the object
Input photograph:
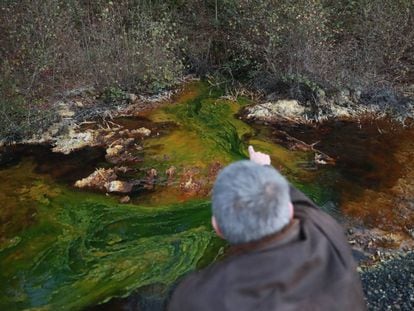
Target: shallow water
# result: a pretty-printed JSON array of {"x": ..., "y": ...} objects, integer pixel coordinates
[
  {"x": 62, "y": 248},
  {"x": 374, "y": 172}
]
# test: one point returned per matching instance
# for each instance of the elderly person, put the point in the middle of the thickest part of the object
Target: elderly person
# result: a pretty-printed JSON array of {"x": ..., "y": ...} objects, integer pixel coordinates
[{"x": 286, "y": 253}]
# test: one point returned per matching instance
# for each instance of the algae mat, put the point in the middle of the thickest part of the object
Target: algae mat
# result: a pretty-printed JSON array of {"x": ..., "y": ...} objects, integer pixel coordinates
[
  {"x": 79, "y": 248},
  {"x": 64, "y": 249}
]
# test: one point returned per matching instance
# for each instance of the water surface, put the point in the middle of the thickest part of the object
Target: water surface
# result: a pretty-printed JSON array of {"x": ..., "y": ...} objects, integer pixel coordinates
[{"x": 67, "y": 249}]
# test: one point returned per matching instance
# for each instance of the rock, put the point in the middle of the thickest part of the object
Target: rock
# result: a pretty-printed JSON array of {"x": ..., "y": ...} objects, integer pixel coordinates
[
  {"x": 141, "y": 131},
  {"x": 190, "y": 183},
  {"x": 118, "y": 151},
  {"x": 132, "y": 98},
  {"x": 74, "y": 141},
  {"x": 114, "y": 151},
  {"x": 121, "y": 169},
  {"x": 123, "y": 157},
  {"x": 150, "y": 180},
  {"x": 54, "y": 129},
  {"x": 66, "y": 113},
  {"x": 118, "y": 186},
  {"x": 290, "y": 109},
  {"x": 170, "y": 172},
  {"x": 63, "y": 110},
  {"x": 339, "y": 111},
  {"x": 97, "y": 180},
  {"x": 126, "y": 142},
  {"x": 108, "y": 136},
  {"x": 125, "y": 199},
  {"x": 323, "y": 159},
  {"x": 79, "y": 104},
  {"x": 341, "y": 104}
]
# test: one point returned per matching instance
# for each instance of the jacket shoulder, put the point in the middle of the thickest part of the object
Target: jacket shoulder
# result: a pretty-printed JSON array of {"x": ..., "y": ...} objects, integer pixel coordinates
[{"x": 195, "y": 287}]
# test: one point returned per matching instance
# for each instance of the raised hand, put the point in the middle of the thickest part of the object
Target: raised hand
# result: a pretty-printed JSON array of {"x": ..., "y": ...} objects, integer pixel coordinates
[{"x": 258, "y": 157}]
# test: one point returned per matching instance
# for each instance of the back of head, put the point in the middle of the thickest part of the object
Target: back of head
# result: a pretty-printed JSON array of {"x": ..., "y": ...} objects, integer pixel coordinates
[{"x": 250, "y": 201}]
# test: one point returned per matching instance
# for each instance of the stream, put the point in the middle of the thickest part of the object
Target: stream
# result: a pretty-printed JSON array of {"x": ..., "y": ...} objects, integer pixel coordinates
[{"x": 67, "y": 248}]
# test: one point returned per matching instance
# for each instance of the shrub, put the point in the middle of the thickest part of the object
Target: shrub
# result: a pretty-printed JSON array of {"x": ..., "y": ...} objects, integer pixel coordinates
[
  {"x": 146, "y": 45},
  {"x": 51, "y": 45}
]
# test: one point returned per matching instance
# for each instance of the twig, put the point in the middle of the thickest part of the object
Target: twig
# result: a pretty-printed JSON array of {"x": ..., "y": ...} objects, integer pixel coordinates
[{"x": 309, "y": 146}]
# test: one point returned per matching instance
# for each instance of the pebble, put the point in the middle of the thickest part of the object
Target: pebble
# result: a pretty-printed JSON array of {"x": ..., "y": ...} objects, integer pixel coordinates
[{"x": 390, "y": 284}]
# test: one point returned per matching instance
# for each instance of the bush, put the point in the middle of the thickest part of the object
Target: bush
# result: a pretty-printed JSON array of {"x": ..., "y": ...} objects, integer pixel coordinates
[
  {"x": 20, "y": 118},
  {"x": 52, "y": 45},
  {"x": 353, "y": 44},
  {"x": 146, "y": 45}
]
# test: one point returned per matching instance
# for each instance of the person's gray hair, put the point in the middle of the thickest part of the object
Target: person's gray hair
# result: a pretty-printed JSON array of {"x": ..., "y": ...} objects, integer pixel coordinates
[{"x": 250, "y": 201}]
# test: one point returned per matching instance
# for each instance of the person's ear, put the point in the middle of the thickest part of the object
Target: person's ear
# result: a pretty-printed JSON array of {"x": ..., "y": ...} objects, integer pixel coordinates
[
  {"x": 292, "y": 210},
  {"x": 216, "y": 227}
]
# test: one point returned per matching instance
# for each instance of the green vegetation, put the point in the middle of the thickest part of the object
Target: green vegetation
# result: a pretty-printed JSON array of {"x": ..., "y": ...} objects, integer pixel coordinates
[
  {"x": 80, "y": 248},
  {"x": 50, "y": 46},
  {"x": 208, "y": 123}
]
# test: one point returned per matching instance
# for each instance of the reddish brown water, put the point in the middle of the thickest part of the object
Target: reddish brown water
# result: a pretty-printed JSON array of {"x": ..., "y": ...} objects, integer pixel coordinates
[{"x": 374, "y": 171}]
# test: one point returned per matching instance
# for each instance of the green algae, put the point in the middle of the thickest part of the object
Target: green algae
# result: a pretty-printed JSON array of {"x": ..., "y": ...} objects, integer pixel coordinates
[
  {"x": 207, "y": 129},
  {"x": 86, "y": 248}
]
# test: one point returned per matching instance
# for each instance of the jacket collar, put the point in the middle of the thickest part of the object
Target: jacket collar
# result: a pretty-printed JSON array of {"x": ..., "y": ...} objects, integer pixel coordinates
[{"x": 289, "y": 233}]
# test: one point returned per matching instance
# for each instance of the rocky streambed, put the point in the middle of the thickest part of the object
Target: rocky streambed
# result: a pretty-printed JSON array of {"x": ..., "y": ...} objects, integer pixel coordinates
[{"x": 118, "y": 205}]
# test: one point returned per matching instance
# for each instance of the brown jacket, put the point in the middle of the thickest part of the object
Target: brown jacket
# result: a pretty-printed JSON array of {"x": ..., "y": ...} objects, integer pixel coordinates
[{"x": 308, "y": 266}]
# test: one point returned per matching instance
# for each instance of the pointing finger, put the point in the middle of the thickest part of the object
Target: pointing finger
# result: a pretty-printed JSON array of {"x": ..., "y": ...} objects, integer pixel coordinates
[{"x": 251, "y": 150}]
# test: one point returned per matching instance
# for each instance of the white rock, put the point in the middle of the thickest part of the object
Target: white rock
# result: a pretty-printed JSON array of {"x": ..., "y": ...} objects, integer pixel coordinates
[
  {"x": 66, "y": 113},
  {"x": 114, "y": 151},
  {"x": 73, "y": 141},
  {"x": 142, "y": 131},
  {"x": 281, "y": 108},
  {"x": 132, "y": 97},
  {"x": 118, "y": 186},
  {"x": 97, "y": 179}
]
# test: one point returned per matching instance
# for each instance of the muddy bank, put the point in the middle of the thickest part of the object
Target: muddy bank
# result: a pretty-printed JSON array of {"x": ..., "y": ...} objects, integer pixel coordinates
[{"x": 320, "y": 106}]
